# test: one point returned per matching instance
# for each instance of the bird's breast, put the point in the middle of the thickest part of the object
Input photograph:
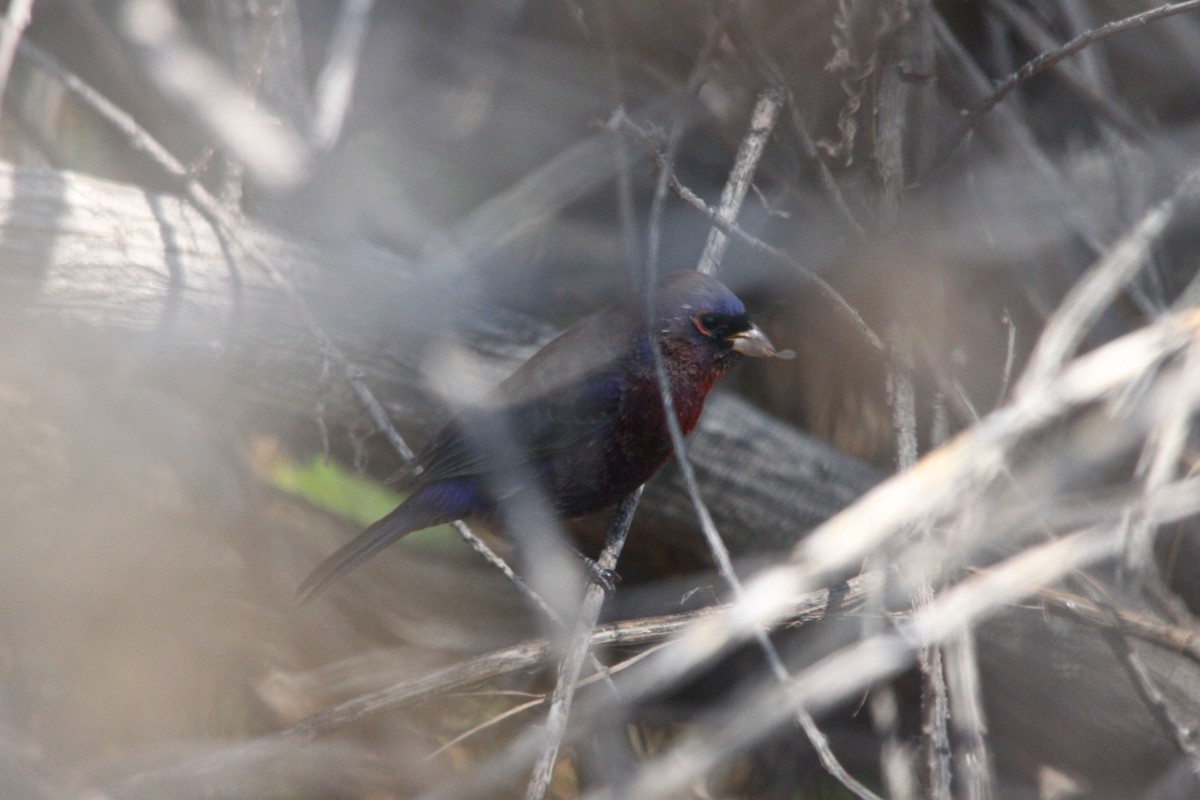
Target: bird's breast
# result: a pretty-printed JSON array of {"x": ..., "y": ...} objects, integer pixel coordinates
[{"x": 642, "y": 432}]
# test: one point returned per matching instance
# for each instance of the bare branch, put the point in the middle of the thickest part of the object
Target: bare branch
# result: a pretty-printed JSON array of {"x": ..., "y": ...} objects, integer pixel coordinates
[
  {"x": 973, "y": 767},
  {"x": 1080, "y": 309},
  {"x": 1046, "y": 60},
  {"x": 1080, "y": 82},
  {"x": 577, "y": 648},
  {"x": 732, "y": 229},
  {"x": 274, "y": 154},
  {"x": 16, "y": 19},
  {"x": 846, "y": 672},
  {"x": 336, "y": 82},
  {"x": 762, "y": 123}
]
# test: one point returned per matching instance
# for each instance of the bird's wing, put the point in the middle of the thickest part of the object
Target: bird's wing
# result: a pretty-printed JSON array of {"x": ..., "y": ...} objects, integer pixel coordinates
[
  {"x": 492, "y": 440},
  {"x": 567, "y": 393}
]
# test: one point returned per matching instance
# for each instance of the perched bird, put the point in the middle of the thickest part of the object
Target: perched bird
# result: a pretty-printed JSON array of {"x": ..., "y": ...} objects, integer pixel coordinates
[{"x": 583, "y": 417}]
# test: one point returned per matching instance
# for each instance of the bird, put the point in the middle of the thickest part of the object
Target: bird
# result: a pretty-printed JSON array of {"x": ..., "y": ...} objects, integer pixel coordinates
[{"x": 583, "y": 418}]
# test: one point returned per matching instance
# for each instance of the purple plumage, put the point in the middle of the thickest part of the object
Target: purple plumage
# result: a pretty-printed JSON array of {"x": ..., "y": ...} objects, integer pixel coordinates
[{"x": 583, "y": 418}]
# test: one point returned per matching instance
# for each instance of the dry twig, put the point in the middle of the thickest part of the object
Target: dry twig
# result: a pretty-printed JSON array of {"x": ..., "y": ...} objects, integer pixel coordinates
[
  {"x": 762, "y": 123},
  {"x": 1046, "y": 60},
  {"x": 274, "y": 154},
  {"x": 578, "y": 647},
  {"x": 336, "y": 82},
  {"x": 16, "y": 19}
]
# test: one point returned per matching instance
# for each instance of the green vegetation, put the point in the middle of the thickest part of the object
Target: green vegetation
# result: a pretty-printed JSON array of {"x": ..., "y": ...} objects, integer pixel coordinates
[{"x": 357, "y": 498}]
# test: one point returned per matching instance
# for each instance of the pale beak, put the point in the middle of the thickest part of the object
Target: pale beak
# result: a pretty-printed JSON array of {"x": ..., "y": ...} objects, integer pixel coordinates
[{"x": 754, "y": 343}]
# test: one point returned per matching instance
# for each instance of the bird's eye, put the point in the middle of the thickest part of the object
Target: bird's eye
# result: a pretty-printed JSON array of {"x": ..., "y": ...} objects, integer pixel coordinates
[{"x": 705, "y": 323}]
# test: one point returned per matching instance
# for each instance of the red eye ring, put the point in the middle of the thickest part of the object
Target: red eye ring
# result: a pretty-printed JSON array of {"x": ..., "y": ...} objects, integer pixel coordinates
[{"x": 705, "y": 323}]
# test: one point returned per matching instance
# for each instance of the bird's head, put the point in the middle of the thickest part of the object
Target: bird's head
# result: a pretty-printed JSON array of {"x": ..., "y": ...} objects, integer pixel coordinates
[{"x": 698, "y": 318}]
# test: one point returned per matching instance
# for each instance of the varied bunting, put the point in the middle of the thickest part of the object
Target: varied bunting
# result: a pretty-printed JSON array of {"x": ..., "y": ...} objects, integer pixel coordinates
[{"x": 583, "y": 417}]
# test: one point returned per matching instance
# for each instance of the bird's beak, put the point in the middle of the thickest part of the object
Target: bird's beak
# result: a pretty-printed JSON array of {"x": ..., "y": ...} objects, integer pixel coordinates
[{"x": 754, "y": 343}]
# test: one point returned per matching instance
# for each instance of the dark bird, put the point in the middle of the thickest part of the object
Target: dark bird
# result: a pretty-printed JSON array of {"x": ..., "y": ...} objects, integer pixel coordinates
[{"x": 583, "y": 417}]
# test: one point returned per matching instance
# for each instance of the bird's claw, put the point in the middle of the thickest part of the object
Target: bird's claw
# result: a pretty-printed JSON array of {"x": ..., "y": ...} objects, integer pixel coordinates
[{"x": 606, "y": 578}]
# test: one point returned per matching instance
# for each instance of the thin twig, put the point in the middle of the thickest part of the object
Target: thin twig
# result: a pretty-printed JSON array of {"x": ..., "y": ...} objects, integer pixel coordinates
[
  {"x": 1010, "y": 356},
  {"x": 1048, "y": 59},
  {"x": 336, "y": 82},
  {"x": 1147, "y": 688},
  {"x": 767, "y": 110},
  {"x": 934, "y": 701},
  {"x": 762, "y": 123},
  {"x": 896, "y": 759},
  {"x": 1089, "y": 297},
  {"x": 732, "y": 229},
  {"x": 935, "y": 718},
  {"x": 972, "y": 760},
  {"x": 273, "y": 153},
  {"x": 577, "y": 649},
  {"x": 1175, "y": 638},
  {"x": 620, "y": 155},
  {"x": 1100, "y": 98},
  {"x": 16, "y": 19},
  {"x": 488, "y": 723},
  {"x": 902, "y": 397},
  {"x": 896, "y": 103},
  {"x": 540, "y": 700},
  {"x": 767, "y": 67},
  {"x": 848, "y": 671}
]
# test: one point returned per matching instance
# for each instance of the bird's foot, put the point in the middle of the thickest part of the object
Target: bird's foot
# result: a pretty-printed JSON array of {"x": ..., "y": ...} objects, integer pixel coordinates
[{"x": 605, "y": 577}]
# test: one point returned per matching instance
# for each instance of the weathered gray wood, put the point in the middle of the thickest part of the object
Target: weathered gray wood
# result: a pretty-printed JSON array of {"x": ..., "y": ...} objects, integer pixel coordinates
[{"x": 139, "y": 283}]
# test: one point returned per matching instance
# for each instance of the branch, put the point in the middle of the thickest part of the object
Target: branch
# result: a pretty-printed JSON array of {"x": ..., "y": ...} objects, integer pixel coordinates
[
  {"x": 16, "y": 19},
  {"x": 336, "y": 83},
  {"x": 579, "y": 644},
  {"x": 732, "y": 229},
  {"x": 850, "y": 670},
  {"x": 1103, "y": 282},
  {"x": 762, "y": 122},
  {"x": 1048, "y": 59},
  {"x": 273, "y": 153}
]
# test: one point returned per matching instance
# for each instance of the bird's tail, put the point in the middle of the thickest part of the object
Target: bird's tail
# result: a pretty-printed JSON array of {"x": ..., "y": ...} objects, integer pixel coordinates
[{"x": 428, "y": 506}]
